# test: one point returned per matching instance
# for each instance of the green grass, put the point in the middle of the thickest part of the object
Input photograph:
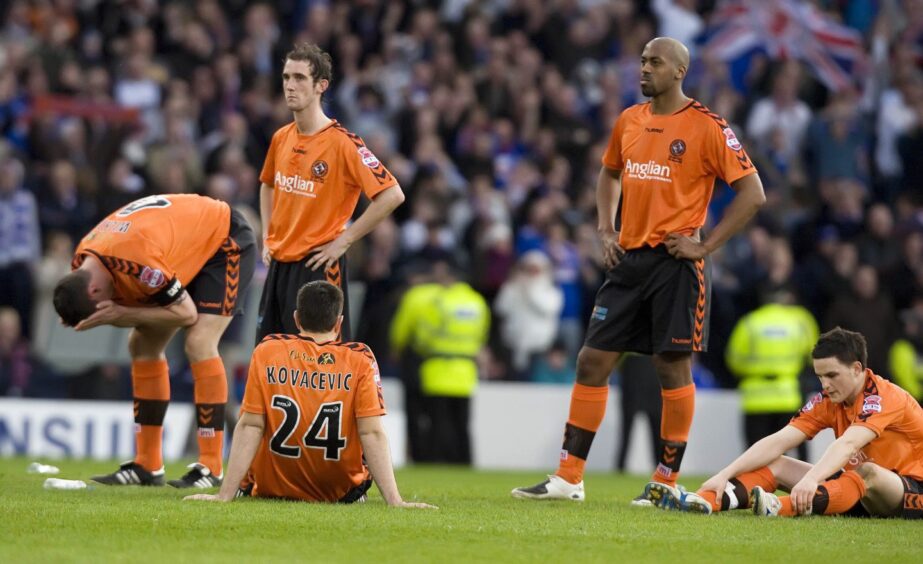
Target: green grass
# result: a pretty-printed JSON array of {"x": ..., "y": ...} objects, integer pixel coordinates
[{"x": 478, "y": 521}]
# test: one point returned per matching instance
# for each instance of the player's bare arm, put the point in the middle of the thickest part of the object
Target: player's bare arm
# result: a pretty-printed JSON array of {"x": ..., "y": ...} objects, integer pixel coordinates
[
  {"x": 759, "y": 455},
  {"x": 181, "y": 313},
  {"x": 378, "y": 457},
  {"x": 835, "y": 457},
  {"x": 748, "y": 200},
  {"x": 247, "y": 436},
  {"x": 608, "y": 193},
  {"x": 265, "y": 216},
  {"x": 381, "y": 207}
]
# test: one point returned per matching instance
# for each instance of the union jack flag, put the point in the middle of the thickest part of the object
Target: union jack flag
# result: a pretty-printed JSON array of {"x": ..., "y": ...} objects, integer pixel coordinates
[{"x": 787, "y": 29}]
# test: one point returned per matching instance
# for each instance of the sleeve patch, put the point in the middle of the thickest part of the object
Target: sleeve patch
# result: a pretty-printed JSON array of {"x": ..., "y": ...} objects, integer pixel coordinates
[
  {"x": 731, "y": 139},
  {"x": 152, "y": 277},
  {"x": 368, "y": 158},
  {"x": 169, "y": 293},
  {"x": 872, "y": 404}
]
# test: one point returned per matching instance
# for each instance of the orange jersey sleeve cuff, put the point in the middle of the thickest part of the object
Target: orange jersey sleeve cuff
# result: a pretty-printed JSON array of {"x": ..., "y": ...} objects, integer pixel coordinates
[
  {"x": 256, "y": 409},
  {"x": 805, "y": 427},
  {"x": 371, "y": 412},
  {"x": 742, "y": 173},
  {"x": 874, "y": 428}
]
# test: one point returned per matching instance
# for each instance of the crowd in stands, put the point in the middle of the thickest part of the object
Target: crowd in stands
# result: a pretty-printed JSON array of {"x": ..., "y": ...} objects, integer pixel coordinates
[{"x": 493, "y": 115}]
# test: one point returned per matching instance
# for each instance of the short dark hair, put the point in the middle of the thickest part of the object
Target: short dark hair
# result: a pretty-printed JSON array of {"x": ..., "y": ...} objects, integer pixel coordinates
[
  {"x": 72, "y": 298},
  {"x": 846, "y": 346},
  {"x": 319, "y": 305},
  {"x": 320, "y": 61}
]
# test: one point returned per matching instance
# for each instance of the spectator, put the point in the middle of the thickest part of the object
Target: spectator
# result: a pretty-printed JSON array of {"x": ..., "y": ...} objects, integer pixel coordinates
[
  {"x": 906, "y": 355},
  {"x": 565, "y": 263},
  {"x": 836, "y": 142},
  {"x": 529, "y": 307},
  {"x": 20, "y": 242},
  {"x": 864, "y": 308},
  {"x": 768, "y": 349},
  {"x": 54, "y": 265},
  {"x": 782, "y": 114},
  {"x": 876, "y": 243},
  {"x": 65, "y": 208},
  {"x": 16, "y": 364},
  {"x": 448, "y": 323},
  {"x": 556, "y": 366}
]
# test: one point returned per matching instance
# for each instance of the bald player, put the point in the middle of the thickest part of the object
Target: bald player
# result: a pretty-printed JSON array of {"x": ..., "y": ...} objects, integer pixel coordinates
[{"x": 661, "y": 164}]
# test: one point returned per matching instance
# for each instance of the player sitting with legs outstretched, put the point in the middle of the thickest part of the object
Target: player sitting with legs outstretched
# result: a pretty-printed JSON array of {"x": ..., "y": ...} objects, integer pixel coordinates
[
  {"x": 875, "y": 466},
  {"x": 312, "y": 411}
]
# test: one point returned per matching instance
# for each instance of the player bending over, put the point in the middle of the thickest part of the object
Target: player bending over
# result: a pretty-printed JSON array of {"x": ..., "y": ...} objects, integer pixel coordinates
[
  {"x": 311, "y": 411},
  {"x": 875, "y": 466},
  {"x": 156, "y": 265}
]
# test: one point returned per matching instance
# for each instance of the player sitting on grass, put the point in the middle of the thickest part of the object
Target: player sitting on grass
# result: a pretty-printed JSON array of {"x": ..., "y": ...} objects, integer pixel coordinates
[
  {"x": 875, "y": 466},
  {"x": 311, "y": 412}
]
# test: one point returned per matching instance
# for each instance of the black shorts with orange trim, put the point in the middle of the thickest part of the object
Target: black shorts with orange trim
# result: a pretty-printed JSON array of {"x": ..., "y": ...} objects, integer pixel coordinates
[
  {"x": 220, "y": 287},
  {"x": 280, "y": 293},
  {"x": 652, "y": 303},
  {"x": 912, "y": 507}
]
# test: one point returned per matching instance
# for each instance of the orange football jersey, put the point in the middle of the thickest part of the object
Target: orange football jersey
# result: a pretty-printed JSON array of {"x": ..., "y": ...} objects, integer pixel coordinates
[
  {"x": 316, "y": 179},
  {"x": 669, "y": 164},
  {"x": 311, "y": 395},
  {"x": 885, "y": 408},
  {"x": 155, "y": 246}
]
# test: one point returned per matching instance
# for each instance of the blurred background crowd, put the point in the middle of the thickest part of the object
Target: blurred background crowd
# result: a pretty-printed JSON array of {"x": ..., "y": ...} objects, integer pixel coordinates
[{"x": 493, "y": 115}]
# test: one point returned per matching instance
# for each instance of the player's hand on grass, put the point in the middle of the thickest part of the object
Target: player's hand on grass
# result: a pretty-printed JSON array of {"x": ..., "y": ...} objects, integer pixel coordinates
[
  {"x": 204, "y": 497},
  {"x": 684, "y": 247},
  {"x": 327, "y": 255},
  {"x": 717, "y": 484},
  {"x": 803, "y": 495},
  {"x": 612, "y": 251},
  {"x": 107, "y": 313},
  {"x": 414, "y": 505}
]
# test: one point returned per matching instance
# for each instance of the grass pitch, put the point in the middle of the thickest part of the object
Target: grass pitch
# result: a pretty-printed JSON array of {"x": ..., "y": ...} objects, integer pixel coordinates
[{"x": 478, "y": 521}]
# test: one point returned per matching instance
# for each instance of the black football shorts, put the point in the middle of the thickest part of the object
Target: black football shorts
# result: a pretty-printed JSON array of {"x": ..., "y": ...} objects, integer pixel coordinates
[
  {"x": 220, "y": 287},
  {"x": 652, "y": 303}
]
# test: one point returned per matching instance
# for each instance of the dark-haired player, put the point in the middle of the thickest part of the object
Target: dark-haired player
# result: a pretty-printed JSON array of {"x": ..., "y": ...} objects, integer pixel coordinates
[
  {"x": 874, "y": 467},
  {"x": 156, "y": 265},
  {"x": 311, "y": 424},
  {"x": 313, "y": 175}
]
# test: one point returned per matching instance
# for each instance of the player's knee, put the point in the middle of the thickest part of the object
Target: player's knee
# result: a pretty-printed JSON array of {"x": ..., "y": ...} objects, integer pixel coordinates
[
  {"x": 870, "y": 474},
  {"x": 140, "y": 347},
  {"x": 674, "y": 369},
  {"x": 592, "y": 368},
  {"x": 200, "y": 345}
]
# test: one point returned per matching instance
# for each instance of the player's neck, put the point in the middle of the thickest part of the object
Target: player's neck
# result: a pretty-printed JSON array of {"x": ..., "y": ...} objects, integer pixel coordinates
[
  {"x": 669, "y": 102},
  {"x": 311, "y": 119},
  {"x": 857, "y": 390},
  {"x": 320, "y": 338}
]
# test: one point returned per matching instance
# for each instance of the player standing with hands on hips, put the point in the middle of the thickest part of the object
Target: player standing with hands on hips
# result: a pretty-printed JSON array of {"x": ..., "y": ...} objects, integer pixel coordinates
[
  {"x": 311, "y": 180},
  {"x": 661, "y": 162}
]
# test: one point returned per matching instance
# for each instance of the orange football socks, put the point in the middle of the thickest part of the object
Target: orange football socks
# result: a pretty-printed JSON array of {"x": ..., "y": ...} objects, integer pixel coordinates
[
  {"x": 587, "y": 409},
  {"x": 832, "y": 497},
  {"x": 150, "y": 380},
  {"x": 211, "y": 398},
  {"x": 676, "y": 419}
]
